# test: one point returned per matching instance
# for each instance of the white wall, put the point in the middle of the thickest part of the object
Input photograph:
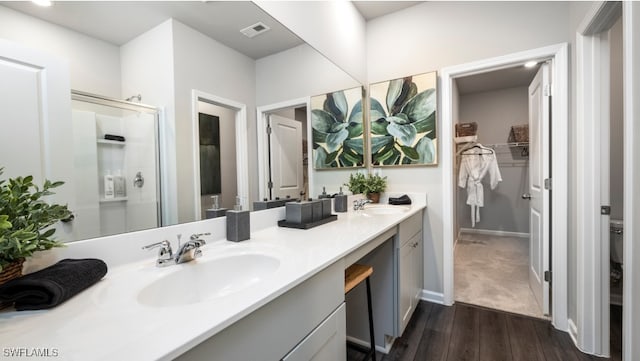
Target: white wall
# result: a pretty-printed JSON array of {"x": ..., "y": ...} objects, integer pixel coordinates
[
  {"x": 94, "y": 64},
  {"x": 335, "y": 28},
  {"x": 147, "y": 69},
  {"x": 495, "y": 112},
  {"x": 433, "y": 35},
  {"x": 295, "y": 73},
  {"x": 302, "y": 72},
  {"x": 206, "y": 65}
]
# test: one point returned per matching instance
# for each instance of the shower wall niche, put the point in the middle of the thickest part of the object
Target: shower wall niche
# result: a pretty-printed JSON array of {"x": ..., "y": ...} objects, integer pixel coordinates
[{"x": 117, "y": 139}]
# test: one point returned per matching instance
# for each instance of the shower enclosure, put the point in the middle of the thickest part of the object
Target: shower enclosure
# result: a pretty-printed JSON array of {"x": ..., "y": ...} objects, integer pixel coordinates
[{"x": 116, "y": 165}]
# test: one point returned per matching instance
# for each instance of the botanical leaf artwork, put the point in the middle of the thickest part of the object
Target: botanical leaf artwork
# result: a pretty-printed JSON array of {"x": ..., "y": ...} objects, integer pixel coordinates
[
  {"x": 403, "y": 121},
  {"x": 337, "y": 126}
]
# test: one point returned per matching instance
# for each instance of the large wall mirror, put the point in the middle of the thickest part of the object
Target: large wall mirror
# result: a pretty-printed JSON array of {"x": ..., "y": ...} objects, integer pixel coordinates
[{"x": 158, "y": 54}]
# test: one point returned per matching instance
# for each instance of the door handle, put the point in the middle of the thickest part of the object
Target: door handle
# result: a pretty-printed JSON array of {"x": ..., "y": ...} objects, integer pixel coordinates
[{"x": 526, "y": 196}]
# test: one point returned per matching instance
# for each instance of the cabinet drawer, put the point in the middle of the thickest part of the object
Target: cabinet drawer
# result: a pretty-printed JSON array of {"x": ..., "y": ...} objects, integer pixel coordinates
[
  {"x": 277, "y": 327},
  {"x": 410, "y": 227},
  {"x": 327, "y": 342}
]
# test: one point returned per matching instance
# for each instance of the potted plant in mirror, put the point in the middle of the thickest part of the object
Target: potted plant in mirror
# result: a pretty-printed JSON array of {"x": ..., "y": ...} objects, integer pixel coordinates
[
  {"x": 26, "y": 221},
  {"x": 370, "y": 185}
]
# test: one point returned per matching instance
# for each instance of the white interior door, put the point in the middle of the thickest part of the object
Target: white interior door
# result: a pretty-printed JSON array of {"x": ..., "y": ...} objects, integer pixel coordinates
[
  {"x": 285, "y": 146},
  {"x": 35, "y": 121},
  {"x": 539, "y": 165}
]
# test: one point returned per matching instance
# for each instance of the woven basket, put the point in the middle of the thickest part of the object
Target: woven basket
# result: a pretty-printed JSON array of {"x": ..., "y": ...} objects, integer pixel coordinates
[
  {"x": 519, "y": 134},
  {"x": 466, "y": 129},
  {"x": 11, "y": 271}
]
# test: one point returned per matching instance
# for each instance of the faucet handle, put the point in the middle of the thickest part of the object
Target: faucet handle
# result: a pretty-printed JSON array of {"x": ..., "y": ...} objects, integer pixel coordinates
[
  {"x": 196, "y": 236},
  {"x": 163, "y": 244},
  {"x": 165, "y": 247}
]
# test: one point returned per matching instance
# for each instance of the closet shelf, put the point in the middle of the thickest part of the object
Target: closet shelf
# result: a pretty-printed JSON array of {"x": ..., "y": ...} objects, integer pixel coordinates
[
  {"x": 510, "y": 145},
  {"x": 110, "y": 200},
  {"x": 110, "y": 142},
  {"x": 466, "y": 139}
]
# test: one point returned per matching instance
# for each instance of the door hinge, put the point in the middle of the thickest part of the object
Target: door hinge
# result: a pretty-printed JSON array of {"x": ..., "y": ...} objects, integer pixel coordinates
[
  {"x": 269, "y": 129},
  {"x": 547, "y": 90},
  {"x": 605, "y": 210},
  {"x": 269, "y": 184},
  {"x": 547, "y": 184},
  {"x": 547, "y": 276}
]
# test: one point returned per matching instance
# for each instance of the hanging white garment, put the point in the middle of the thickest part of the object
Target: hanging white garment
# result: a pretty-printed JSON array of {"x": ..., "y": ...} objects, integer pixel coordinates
[{"x": 475, "y": 163}]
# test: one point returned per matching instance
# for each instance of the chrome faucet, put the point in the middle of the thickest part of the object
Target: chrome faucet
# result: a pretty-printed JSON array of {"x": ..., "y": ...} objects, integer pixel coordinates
[
  {"x": 186, "y": 252},
  {"x": 358, "y": 204},
  {"x": 190, "y": 250}
]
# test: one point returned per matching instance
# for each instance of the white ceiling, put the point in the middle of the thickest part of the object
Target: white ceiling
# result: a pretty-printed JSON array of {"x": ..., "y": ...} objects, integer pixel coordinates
[
  {"x": 118, "y": 22},
  {"x": 373, "y": 9},
  {"x": 499, "y": 79}
]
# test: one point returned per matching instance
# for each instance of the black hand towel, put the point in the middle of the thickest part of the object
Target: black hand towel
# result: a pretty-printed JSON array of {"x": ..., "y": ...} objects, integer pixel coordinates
[
  {"x": 404, "y": 199},
  {"x": 53, "y": 285}
]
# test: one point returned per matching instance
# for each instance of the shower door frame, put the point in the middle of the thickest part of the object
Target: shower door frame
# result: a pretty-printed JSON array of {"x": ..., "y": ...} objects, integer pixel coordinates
[{"x": 138, "y": 107}]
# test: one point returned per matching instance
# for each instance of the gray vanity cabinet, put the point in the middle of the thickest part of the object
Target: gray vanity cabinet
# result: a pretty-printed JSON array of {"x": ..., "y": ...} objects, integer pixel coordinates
[
  {"x": 306, "y": 323},
  {"x": 410, "y": 269}
]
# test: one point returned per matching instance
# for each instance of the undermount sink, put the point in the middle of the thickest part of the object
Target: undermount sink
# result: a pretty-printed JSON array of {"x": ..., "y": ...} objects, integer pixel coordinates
[
  {"x": 200, "y": 281},
  {"x": 384, "y": 209}
]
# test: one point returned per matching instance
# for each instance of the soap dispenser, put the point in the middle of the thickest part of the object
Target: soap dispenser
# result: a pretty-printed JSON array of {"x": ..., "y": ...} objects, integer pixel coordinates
[
  {"x": 238, "y": 223},
  {"x": 340, "y": 202}
]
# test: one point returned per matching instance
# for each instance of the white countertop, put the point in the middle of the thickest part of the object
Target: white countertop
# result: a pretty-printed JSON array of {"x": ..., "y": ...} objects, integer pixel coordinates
[{"x": 105, "y": 322}]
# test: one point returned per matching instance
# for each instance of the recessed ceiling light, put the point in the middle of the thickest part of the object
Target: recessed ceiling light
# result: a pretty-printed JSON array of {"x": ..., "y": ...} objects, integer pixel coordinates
[
  {"x": 530, "y": 64},
  {"x": 42, "y": 2}
]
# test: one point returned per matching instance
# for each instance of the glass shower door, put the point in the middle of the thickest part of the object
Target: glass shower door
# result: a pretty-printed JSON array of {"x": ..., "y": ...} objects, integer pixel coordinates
[{"x": 116, "y": 166}]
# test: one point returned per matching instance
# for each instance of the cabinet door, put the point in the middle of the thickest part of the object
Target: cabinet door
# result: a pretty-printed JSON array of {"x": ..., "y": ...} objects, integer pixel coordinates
[
  {"x": 418, "y": 273},
  {"x": 327, "y": 342},
  {"x": 406, "y": 284}
]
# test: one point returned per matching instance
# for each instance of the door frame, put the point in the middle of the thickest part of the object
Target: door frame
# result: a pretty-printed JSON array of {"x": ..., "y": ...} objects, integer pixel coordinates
[
  {"x": 591, "y": 332},
  {"x": 242, "y": 155},
  {"x": 262, "y": 112},
  {"x": 631, "y": 56},
  {"x": 559, "y": 54}
]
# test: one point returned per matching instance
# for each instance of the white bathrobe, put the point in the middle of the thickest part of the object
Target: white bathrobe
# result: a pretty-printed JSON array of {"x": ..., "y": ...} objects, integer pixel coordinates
[{"x": 474, "y": 165}]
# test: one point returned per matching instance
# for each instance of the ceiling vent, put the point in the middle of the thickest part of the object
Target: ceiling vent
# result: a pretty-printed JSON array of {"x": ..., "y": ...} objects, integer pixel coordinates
[{"x": 255, "y": 29}]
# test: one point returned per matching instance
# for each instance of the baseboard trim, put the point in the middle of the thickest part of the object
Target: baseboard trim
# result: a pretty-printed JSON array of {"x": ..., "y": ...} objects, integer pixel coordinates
[
  {"x": 385, "y": 350},
  {"x": 435, "y": 297},
  {"x": 490, "y": 232},
  {"x": 573, "y": 332}
]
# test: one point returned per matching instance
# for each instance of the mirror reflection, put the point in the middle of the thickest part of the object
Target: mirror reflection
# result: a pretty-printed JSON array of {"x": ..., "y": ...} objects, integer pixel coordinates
[
  {"x": 158, "y": 54},
  {"x": 115, "y": 167},
  {"x": 217, "y": 148}
]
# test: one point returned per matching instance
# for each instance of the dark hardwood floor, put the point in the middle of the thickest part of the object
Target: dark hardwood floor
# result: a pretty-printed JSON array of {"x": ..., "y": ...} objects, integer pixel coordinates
[{"x": 466, "y": 332}]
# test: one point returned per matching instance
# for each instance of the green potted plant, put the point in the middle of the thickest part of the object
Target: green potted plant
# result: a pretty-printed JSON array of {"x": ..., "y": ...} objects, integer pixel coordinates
[
  {"x": 370, "y": 185},
  {"x": 356, "y": 183},
  {"x": 26, "y": 222}
]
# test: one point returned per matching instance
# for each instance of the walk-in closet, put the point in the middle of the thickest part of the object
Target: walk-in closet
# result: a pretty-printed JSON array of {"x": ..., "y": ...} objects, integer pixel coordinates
[{"x": 493, "y": 154}]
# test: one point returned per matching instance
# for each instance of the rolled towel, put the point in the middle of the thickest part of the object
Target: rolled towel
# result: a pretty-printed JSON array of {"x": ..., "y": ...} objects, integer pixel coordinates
[
  {"x": 404, "y": 199},
  {"x": 53, "y": 285}
]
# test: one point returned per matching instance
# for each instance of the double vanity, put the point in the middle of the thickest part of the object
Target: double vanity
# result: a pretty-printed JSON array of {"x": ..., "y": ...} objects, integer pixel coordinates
[{"x": 278, "y": 296}]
